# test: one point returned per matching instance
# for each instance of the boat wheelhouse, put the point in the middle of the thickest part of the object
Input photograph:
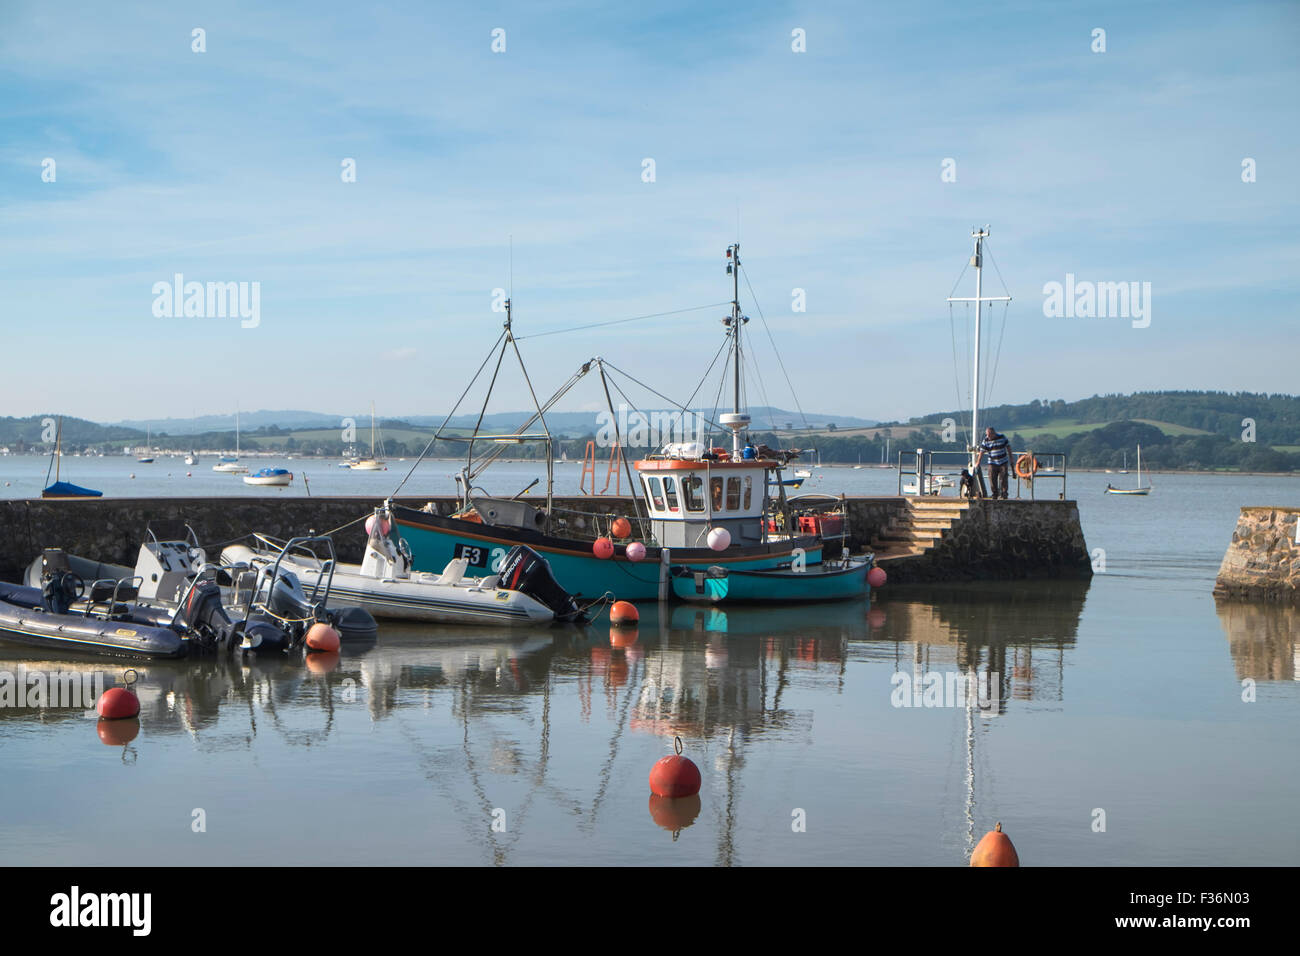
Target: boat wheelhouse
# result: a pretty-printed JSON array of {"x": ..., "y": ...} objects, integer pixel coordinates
[{"x": 689, "y": 492}]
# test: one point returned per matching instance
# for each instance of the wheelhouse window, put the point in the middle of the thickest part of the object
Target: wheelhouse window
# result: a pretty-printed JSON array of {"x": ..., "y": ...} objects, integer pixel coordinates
[
  {"x": 693, "y": 492},
  {"x": 670, "y": 492},
  {"x": 715, "y": 492},
  {"x": 749, "y": 491},
  {"x": 733, "y": 493},
  {"x": 655, "y": 487}
]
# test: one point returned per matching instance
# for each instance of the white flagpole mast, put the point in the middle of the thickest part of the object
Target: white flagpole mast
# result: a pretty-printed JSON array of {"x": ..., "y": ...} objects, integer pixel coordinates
[{"x": 977, "y": 260}]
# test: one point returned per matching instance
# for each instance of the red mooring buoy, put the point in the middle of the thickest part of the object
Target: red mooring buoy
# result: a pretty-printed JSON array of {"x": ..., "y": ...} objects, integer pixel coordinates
[
  {"x": 119, "y": 703},
  {"x": 322, "y": 637},
  {"x": 624, "y": 612},
  {"x": 675, "y": 776}
]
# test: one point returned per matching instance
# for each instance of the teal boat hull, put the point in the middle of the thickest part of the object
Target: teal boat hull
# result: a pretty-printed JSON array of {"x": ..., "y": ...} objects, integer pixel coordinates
[
  {"x": 435, "y": 540},
  {"x": 720, "y": 585}
]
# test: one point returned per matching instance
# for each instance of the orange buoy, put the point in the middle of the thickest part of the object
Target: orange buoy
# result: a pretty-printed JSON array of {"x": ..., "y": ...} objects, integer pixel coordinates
[
  {"x": 995, "y": 850},
  {"x": 622, "y": 637},
  {"x": 675, "y": 776},
  {"x": 322, "y": 637},
  {"x": 674, "y": 815},
  {"x": 118, "y": 733},
  {"x": 622, "y": 528},
  {"x": 602, "y": 548},
  {"x": 877, "y": 577},
  {"x": 624, "y": 612},
  {"x": 117, "y": 703}
]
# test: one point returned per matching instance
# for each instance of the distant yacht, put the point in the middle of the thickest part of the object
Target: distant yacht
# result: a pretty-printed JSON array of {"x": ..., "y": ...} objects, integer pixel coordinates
[
  {"x": 148, "y": 448},
  {"x": 227, "y": 464},
  {"x": 372, "y": 463}
]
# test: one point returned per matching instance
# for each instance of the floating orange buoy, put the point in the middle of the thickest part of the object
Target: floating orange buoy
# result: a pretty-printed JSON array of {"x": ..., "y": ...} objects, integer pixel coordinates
[
  {"x": 322, "y": 637},
  {"x": 118, "y": 733},
  {"x": 995, "y": 850},
  {"x": 602, "y": 548},
  {"x": 117, "y": 703},
  {"x": 622, "y": 637},
  {"x": 673, "y": 814},
  {"x": 622, "y": 528},
  {"x": 675, "y": 776},
  {"x": 624, "y": 612},
  {"x": 877, "y": 577},
  {"x": 635, "y": 551}
]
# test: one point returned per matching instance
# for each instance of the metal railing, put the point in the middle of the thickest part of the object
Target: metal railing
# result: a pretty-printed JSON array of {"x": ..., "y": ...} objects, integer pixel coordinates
[{"x": 935, "y": 472}]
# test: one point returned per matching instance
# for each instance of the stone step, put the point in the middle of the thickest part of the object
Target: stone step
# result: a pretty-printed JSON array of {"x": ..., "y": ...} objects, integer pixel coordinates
[
  {"x": 933, "y": 524},
  {"x": 940, "y": 504}
]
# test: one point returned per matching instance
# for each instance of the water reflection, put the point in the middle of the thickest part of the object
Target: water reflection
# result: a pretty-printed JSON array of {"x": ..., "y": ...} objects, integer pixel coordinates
[
  {"x": 1264, "y": 640},
  {"x": 472, "y": 715},
  {"x": 1019, "y": 632}
]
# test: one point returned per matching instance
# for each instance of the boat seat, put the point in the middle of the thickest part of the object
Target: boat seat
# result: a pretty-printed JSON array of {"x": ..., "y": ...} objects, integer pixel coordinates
[
  {"x": 101, "y": 592},
  {"x": 453, "y": 572}
]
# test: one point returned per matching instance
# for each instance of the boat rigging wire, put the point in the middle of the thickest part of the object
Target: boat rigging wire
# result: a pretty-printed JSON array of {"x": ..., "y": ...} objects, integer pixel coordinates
[
  {"x": 438, "y": 433},
  {"x": 634, "y": 318},
  {"x": 763, "y": 318}
]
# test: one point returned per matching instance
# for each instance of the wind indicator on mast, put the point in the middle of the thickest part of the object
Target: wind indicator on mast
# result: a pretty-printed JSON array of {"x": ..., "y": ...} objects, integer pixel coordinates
[
  {"x": 977, "y": 260},
  {"x": 736, "y": 420}
]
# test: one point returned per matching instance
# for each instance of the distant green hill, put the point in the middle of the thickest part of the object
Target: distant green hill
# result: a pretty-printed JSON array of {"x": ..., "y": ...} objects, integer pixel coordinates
[{"x": 1276, "y": 417}]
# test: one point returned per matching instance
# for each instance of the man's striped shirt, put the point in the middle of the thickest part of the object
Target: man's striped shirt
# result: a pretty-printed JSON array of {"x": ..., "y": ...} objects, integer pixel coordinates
[{"x": 998, "y": 449}]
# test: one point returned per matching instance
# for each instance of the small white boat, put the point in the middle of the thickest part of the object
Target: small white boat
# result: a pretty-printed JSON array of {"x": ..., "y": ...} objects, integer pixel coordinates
[
  {"x": 385, "y": 585},
  {"x": 270, "y": 476},
  {"x": 191, "y": 459},
  {"x": 372, "y": 463},
  {"x": 229, "y": 464},
  {"x": 1139, "y": 490}
]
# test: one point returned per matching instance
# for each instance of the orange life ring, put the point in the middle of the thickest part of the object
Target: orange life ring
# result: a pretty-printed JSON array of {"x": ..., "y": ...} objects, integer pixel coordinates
[{"x": 1026, "y": 466}]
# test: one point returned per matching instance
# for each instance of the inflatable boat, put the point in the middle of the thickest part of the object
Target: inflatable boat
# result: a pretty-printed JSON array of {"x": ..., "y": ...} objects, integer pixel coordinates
[
  {"x": 269, "y": 594},
  {"x": 522, "y": 591},
  {"x": 106, "y": 617}
]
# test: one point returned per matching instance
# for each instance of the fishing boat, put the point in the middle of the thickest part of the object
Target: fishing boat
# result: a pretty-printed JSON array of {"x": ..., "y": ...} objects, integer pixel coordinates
[
  {"x": 1139, "y": 490},
  {"x": 63, "y": 489},
  {"x": 697, "y": 507},
  {"x": 270, "y": 476},
  {"x": 229, "y": 464},
  {"x": 372, "y": 463},
  {"x": 523, "y": 592}
]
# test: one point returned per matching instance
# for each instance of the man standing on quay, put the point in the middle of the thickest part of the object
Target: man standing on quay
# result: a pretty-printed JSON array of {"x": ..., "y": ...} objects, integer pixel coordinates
[{"x": 998, "y": 448}]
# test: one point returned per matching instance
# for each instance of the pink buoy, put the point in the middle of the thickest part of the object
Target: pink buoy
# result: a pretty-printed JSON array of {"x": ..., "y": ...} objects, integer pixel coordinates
[
  {"x": 719, "y": 539},
  {"x": 602, "y": 548},
  {"x": 383, "y": 526},
  {"x": 876, "y": 577},
  {"x": 636, "y": 551}
]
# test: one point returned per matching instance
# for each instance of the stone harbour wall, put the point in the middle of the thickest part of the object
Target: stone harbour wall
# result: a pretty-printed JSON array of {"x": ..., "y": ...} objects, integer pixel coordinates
[
  {"x": 1003, "y": 539},
  {"x": 1263, "y": 561}
]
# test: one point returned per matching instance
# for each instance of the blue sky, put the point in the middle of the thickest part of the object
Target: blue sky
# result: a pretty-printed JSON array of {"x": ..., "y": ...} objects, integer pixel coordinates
[{"x": 225, "y": 166}]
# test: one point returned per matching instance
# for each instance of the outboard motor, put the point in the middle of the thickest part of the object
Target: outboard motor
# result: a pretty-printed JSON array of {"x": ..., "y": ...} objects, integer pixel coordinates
[
  {"x": 352, "y": 623},
  {"x": 526, "y": 571},
  {"x": 59, "y": 586},
  {"x": 204, "y": 616}
]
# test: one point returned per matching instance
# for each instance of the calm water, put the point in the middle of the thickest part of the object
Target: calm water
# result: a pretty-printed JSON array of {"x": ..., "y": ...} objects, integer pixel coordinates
[{"x": 1123, "y": 695}]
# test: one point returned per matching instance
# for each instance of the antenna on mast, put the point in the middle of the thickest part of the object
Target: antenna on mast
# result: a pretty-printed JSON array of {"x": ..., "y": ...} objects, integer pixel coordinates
[
  {"x": 736, "y": 420},
  {"x": 977, "y": 260}
]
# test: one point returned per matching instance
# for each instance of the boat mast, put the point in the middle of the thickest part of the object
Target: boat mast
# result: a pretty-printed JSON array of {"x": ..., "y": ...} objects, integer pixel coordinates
[
  {"x": 737, "y": 420},
  {"x": 977, "y": 260}
]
